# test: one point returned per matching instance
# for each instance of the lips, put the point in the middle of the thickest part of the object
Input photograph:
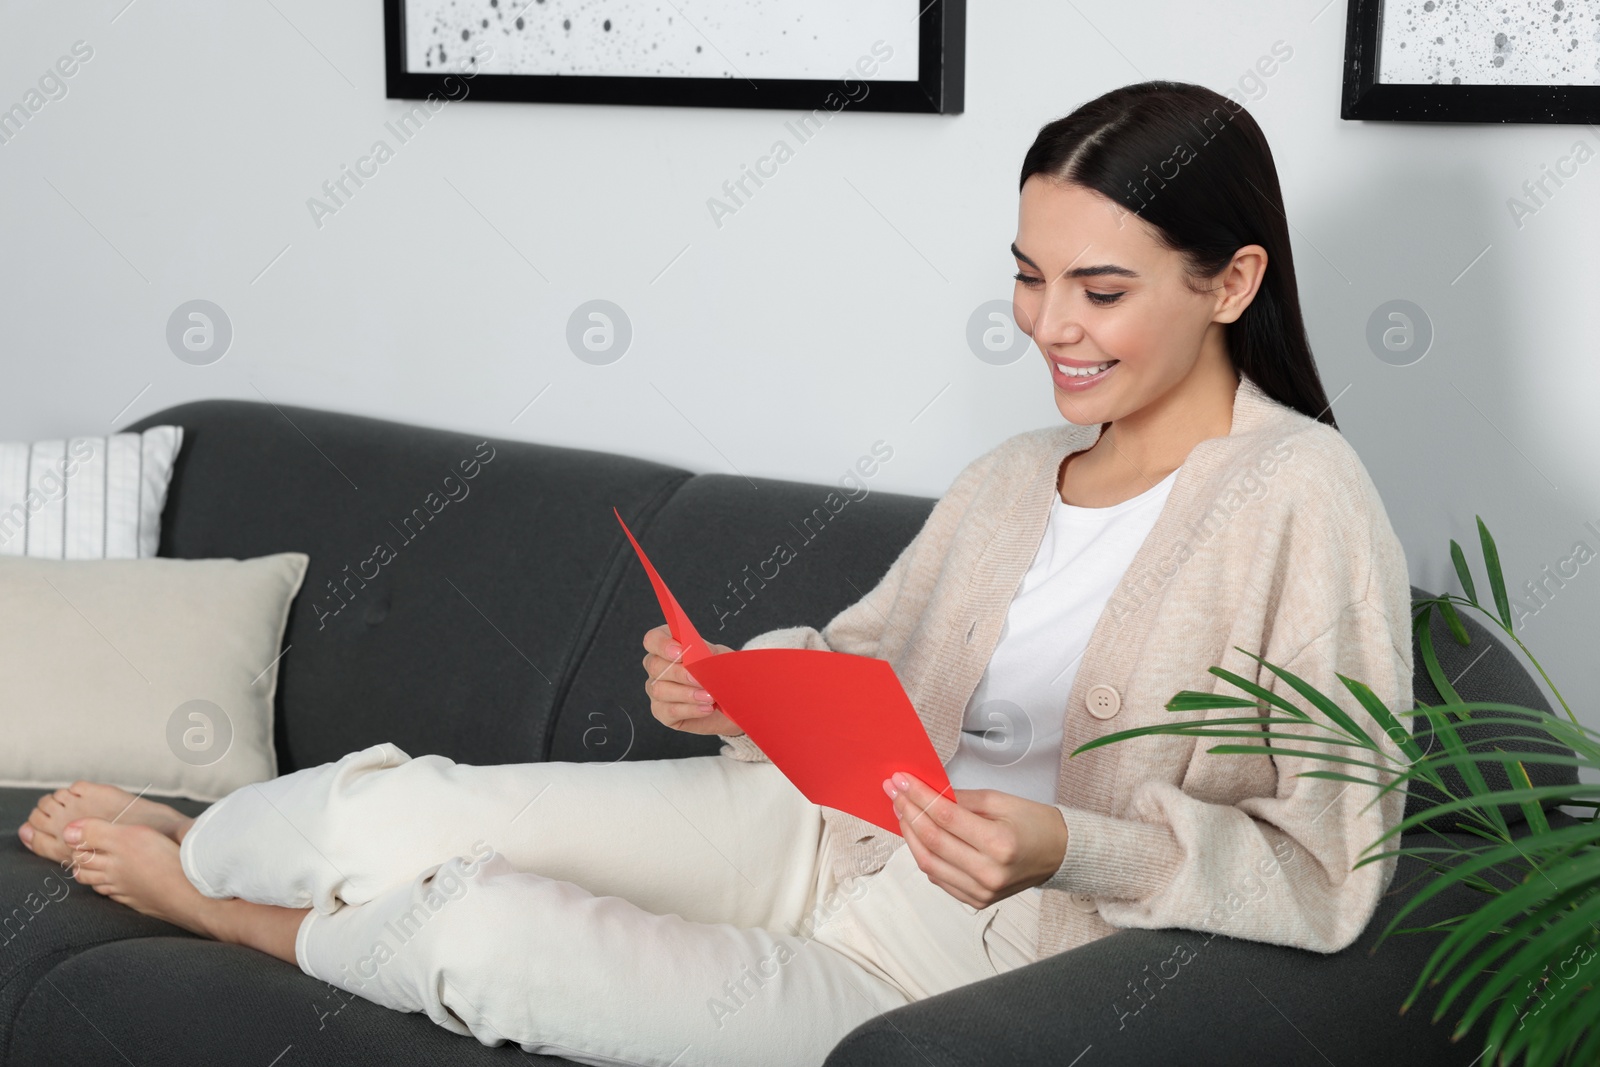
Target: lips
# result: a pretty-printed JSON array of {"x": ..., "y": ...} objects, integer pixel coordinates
[{"x": 1076, "y": 383}]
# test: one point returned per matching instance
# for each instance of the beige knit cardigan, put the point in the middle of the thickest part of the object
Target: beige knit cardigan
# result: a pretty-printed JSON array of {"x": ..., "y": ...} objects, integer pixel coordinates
[{"x": 1272, "y": 538}]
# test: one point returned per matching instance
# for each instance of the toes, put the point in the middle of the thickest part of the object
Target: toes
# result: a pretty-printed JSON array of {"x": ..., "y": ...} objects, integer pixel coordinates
[
  {"x": 41, "y": 842},
  {"x": 103, "y": 835},
  {"x": 44, "y": 837},
  {"x": 91, "y": 876},
  {"x": 87, "y": 833},
  {"x": 82, "y": 855},
  {"x": 79, "y": 866}
]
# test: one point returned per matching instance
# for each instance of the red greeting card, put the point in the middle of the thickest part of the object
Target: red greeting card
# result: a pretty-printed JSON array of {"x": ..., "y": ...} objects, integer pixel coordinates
[{"x": 835, "y": 724}]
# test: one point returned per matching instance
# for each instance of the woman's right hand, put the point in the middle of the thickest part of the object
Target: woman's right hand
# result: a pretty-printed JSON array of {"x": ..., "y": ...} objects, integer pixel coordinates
[{"x": 676, "y": 699}]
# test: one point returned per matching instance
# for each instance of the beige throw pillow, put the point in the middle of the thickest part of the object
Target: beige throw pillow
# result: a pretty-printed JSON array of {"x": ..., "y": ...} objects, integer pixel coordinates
[{"x": 157, "y": 675}]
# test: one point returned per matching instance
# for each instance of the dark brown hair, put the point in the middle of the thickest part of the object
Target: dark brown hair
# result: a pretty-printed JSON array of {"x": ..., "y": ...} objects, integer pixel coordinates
[{"x": 1194, "y": 164}]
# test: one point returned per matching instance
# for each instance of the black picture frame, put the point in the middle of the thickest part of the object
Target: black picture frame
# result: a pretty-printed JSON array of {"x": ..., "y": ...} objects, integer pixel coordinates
[
  {"x": 941, "y": 75},
  {"x": 1365, "y": 97}
]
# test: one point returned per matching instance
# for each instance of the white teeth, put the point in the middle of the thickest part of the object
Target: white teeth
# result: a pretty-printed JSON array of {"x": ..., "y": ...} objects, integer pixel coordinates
[{"x": 1083, "y": 372}]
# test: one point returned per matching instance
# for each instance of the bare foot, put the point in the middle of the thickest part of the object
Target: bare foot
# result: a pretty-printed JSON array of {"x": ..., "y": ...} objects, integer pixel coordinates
[
  {"x": 138, "y": 866},
  {"x": 81, "y": 800}
]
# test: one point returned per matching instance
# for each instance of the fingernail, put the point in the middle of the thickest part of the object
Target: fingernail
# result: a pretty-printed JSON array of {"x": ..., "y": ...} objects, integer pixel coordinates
[
  {"x": 673, "y": 648},
  {"x": 901, "y": 780},
  {"x": 72, "y": 834},
  {"x": 888, "y": 787},
  {"x": 702, "y": 696},
  {"x": 25, "y": 831}
]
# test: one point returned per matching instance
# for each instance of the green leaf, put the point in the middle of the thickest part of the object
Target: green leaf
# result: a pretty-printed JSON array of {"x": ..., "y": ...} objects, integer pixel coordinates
[
  {"x": 1483, "y": 859},
  {"x": 1568, "y": 734},
  {"x": 1257, "y": 750},
  {"x": 1494, "y": 917},
  {"x": 1452, "y": 620},
  {"x": 1531, "y": 809},
  {"x": 1445, "y": 730},
  {"x": 1491, "y": 563},
  {"x": 1207, "y": 731},
  {"x": 1538, "y": 1018},
  {"x": 1195, "y": 700},
  {"x": 1196, "y": 728},
  {"x": 1321, "y": 701},
  {"x": 1567, "y": 1034},
  {"x": 1492, "y": 944},
  {"x": 1427, "y": 772},
  {"x": 1537, "y": 955},
  {"x": 1259, "y": 691},
  {"x": 1430, "y": 659},
  {"x": 1393, "y": 729},
  {"x": 1555, "y": 1003},
  {"x": 1335, "y": 776},
  {"x": 1538, "y": 945},
  {"x": 1476, "y": 802},
  {"x": 1460, "y": 560},
  {"x": 1397, "y": 784},
  {"x": 1524, "y": 895}
]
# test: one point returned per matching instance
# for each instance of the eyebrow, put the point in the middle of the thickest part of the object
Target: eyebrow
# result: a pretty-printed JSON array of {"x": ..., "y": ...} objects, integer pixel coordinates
[{"x": 1097, "y": 271}]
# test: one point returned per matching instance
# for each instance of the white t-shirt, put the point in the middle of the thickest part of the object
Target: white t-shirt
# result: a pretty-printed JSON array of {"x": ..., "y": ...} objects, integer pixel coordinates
[{"x": 1012, "y": 728}]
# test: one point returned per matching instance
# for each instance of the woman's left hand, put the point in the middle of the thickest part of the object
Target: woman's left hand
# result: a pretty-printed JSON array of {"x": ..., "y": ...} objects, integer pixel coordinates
[{"x": 982, "y": 847}]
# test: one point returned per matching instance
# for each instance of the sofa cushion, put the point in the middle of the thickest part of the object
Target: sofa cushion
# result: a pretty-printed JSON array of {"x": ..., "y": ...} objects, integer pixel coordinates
[
  {"x": 458, "y": 640},
  {"x": 186, "y": 1002},
  {"x": 717, "y": 532}
]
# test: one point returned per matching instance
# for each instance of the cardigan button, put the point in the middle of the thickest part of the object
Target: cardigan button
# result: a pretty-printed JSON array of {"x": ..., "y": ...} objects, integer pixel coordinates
[
  {"x": 1082, "y": 901},
  {"x": 1103, "y": 701}
]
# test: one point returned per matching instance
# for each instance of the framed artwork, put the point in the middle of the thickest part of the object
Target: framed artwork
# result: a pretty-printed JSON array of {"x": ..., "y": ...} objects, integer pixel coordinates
[
  {"x": 886, "y": 55},
  {"x": 1472, "y": 61}
]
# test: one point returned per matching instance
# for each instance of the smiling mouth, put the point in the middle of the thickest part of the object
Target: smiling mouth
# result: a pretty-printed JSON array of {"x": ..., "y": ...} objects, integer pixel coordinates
[{"x": 1084, "y": 372}]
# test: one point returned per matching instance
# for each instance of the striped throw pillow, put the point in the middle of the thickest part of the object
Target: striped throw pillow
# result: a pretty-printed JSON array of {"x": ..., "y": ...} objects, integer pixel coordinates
[{"x": 86, "y": 497}]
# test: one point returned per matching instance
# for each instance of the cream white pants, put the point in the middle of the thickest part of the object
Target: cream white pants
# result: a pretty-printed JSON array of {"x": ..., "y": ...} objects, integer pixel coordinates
[{"x": 652, "y": 912}]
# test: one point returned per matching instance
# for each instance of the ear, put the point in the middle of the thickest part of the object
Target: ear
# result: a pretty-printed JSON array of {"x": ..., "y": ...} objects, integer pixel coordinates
[{"x": 1239, "y": 281}]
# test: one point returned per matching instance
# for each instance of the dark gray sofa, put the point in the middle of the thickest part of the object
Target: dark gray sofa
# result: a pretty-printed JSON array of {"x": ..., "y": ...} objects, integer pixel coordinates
[{"x": 509, "y": 630}]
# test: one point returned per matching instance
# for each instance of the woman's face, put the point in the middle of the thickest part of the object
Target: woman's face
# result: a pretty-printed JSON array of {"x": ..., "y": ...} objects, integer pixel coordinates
[{"x": 1094, "y": 285}]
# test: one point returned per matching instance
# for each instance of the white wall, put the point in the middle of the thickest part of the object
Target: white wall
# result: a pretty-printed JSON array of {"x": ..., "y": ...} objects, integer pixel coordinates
[{"x": 828, "y": 313}]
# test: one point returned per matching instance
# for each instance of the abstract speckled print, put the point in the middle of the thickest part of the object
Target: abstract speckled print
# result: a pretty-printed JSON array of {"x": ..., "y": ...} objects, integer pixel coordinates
[
  {"x": 1490, "y": 42},
  {"x": 648, "y": 38}
]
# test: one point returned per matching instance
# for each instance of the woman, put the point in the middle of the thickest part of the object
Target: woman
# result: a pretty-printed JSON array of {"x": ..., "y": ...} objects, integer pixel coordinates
[{"x": 1198, "y": 504}]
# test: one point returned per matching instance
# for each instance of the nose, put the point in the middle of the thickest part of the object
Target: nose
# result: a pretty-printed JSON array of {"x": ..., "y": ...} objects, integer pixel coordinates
[{"x": 1048, "y": 318}]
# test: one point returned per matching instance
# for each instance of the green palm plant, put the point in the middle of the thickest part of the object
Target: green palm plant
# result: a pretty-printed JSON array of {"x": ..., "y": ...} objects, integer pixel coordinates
[{"x": 1530, "y": 953}]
